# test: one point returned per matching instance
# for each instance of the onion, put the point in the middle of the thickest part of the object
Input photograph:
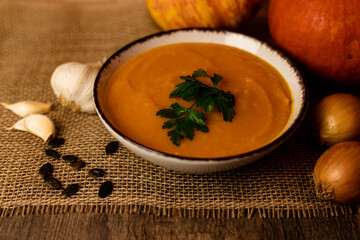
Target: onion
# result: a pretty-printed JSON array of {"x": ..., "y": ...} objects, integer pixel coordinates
[
  {"x": 337, "y": 173},
  {"x": 337, "y": 118}
]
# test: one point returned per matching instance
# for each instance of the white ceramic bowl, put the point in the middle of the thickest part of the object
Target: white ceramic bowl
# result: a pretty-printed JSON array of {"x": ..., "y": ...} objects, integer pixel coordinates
[{"x": 203, "y": 165}]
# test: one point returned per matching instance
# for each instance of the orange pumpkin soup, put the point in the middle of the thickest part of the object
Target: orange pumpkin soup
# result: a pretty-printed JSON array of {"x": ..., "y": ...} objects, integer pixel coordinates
[{"x": 141, "y": 87}]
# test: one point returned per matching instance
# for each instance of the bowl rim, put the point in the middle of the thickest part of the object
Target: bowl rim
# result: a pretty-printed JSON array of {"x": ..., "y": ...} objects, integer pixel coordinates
[{"x": 268, "y": 146}]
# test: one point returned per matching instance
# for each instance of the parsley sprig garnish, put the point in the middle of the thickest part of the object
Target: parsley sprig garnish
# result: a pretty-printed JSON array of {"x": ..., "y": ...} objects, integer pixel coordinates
[{"x": 184, "y": 121}]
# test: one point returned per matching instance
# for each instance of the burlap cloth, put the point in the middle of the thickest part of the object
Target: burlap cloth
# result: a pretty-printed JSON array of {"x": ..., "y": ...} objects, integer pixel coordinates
[{"x": 35, "y": 37}]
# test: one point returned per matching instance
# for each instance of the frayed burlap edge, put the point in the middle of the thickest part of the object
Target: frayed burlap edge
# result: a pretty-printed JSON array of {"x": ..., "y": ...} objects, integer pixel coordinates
[{"x": 278, "y": 213}]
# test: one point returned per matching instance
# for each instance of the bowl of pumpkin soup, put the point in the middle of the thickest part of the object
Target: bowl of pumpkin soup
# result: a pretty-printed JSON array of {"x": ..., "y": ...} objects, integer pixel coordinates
[{"x": 200, "y": 100}]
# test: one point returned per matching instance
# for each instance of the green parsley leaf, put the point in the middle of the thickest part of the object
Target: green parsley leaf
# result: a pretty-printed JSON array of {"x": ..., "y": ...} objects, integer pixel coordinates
[
  {"x": 174, "y": 112},
  {"x": 216, "y": 79},
  {"x": 200, "y": 73},
  {"x": 224, "y": 102},
  {"x": 188, "y": 90},
  {"x": 206, "y": 99},
  {"x": 184, "y": 121}
]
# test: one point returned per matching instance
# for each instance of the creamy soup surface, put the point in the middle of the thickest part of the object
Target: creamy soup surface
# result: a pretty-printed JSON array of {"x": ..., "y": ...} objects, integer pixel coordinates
[{"x": 141, "y": 87}]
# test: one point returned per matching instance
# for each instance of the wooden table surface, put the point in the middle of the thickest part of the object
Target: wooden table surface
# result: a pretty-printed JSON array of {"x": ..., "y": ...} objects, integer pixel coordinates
[{"x": 143, "y": 226}]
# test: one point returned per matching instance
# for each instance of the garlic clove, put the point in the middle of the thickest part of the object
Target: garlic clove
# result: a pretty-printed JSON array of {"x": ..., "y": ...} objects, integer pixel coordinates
[
  {"x": 37, "y": 124},
  {"x": 73, "y": 84},
  {"x": 25, "y": 108}
]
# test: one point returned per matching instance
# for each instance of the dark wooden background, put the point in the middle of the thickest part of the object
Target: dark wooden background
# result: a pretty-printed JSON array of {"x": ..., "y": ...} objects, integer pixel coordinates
[{"x": 125, "y": 226}]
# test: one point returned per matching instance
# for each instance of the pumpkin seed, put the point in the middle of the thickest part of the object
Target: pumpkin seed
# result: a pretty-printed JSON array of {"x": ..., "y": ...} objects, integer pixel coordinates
[
  {"x": 112, "y": 147},
  {"x": 70, "y": 190},
  {"x": 52, "y": 153},
  {"x": 96, "y": 172},
  {"x": 70, "y": 158},
  {"x": 105, "y": 189},
  {"x": 56, "y": 142},
  {"x": 46, "y": 170},
  {"x": 53, "y": 183},
  {"x": 77, "y": 165}
]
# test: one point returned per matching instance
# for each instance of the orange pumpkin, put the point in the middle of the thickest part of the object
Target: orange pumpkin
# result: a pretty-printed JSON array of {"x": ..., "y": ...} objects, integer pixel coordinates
[
  {"x": 322, "y": 35},
  {"x": 174, "y": 14}
]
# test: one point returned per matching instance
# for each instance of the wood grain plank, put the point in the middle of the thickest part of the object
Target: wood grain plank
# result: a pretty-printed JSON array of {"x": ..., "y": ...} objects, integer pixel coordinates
[{"x": 126, "y": 226}]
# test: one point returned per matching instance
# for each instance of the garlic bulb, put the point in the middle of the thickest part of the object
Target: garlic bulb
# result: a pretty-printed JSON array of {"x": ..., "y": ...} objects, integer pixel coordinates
[
  {"x": 73, "y": 84},
  {"x": 37, "y": 124},
  {"x": 25, "y": 108}
]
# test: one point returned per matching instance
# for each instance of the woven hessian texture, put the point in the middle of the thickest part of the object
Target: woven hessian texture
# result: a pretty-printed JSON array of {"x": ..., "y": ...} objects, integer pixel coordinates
[{"x": 37, "y": 36}]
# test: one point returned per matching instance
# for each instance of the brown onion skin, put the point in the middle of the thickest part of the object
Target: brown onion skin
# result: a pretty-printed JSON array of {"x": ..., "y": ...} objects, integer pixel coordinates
[
  {"x": 337, "y": 173},
  {"x": 336, "y": 118}
]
